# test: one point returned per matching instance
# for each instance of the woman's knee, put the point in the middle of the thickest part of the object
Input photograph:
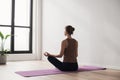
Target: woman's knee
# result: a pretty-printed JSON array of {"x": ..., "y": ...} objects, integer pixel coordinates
[{"x": 50, "y": 58}]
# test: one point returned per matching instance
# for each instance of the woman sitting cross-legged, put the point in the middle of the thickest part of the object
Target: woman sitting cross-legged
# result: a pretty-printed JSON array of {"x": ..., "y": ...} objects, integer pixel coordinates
[{"x": 69, "y": 49}]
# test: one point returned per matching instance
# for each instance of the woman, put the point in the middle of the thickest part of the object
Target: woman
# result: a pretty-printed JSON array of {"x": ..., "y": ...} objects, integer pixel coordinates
[{"x": 69, "y": 49}]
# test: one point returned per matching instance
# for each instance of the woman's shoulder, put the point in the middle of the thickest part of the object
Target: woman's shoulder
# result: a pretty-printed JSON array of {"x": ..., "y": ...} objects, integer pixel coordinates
[
  {"x": 65, "y": 40},
  {"x": 74, "y": 39}
]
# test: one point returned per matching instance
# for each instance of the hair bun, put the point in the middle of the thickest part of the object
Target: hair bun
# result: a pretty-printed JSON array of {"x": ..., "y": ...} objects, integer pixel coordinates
[
  {"x": 73, "y": 28},
  {"x": 70, "y": 29}
]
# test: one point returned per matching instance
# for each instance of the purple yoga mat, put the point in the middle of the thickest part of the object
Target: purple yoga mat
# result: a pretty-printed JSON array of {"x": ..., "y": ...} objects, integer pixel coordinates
[{"x": 33, "y": 73}]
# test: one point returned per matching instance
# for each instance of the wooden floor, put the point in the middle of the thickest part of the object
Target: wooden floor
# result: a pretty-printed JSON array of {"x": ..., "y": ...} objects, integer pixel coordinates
[{"x": 7, "y": 72}]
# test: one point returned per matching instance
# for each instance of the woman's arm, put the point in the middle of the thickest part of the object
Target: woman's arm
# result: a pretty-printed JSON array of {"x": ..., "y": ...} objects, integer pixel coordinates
[
  {"x": 63, "y": 46},
  {"x": 77, "y": 49}
]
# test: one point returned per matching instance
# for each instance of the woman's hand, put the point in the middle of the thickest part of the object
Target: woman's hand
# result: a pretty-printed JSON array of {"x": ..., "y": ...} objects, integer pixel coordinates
[{"x": 47, "y": 54}]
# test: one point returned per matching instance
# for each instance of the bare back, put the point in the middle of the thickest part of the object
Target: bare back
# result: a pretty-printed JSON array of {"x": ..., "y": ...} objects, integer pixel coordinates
[{"x": 70, "y": 52}]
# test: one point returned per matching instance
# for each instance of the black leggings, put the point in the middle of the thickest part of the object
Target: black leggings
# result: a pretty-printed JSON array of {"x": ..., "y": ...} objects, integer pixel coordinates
[{"x": 63, "y": 66}]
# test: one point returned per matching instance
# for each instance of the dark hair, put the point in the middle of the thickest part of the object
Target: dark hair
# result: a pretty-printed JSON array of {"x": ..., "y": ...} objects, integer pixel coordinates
[{"x": 69, "y": 29}]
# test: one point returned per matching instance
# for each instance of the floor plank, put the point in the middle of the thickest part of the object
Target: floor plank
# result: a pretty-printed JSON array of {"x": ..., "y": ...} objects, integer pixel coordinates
[{"x": 7, "y": 72}]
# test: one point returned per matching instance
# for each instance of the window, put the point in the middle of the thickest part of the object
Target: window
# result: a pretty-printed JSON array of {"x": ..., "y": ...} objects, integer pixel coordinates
[{"x": 16, "y": 19}]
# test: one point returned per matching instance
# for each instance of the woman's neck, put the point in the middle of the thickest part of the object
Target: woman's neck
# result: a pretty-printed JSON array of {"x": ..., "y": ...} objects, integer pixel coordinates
[{"x": 69, "y": 37}]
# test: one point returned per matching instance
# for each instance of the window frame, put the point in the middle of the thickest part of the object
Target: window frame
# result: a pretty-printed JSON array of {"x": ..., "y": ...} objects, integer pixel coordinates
[{"x": 13, "y": 26}]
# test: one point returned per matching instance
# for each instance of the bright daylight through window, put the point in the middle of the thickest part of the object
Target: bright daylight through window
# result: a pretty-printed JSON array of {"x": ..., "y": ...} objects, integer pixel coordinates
[{"x": 16, "y": 20}]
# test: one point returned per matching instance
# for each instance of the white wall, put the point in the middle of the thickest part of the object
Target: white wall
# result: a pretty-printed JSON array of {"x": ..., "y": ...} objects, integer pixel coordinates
[{"x": 97, "y": 24}]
